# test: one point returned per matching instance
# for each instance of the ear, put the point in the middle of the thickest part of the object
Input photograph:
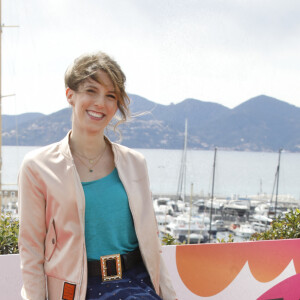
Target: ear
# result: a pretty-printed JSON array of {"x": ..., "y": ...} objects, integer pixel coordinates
[{"x": 70, "y": 95}]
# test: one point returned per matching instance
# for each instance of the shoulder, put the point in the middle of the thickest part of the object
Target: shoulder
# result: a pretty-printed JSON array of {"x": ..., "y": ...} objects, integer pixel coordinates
[{"x": 40, "y": 155}]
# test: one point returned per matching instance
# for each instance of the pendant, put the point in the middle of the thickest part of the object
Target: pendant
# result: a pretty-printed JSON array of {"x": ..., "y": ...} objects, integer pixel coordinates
[{"x": 91, "y": 170}]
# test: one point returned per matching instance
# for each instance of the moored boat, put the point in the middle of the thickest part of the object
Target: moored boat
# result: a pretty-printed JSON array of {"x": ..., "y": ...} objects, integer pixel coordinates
[{"x": 183, "y": 226}]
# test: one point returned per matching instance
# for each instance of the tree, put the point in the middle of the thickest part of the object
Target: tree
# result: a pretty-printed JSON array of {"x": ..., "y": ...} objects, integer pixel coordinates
[
  {"x": 284, "y": 227},
  {"x": 9, "y": 232}
]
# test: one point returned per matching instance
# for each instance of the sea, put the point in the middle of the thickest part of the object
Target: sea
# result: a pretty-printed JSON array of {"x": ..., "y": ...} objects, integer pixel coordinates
[{"x": 241, "y": 174}]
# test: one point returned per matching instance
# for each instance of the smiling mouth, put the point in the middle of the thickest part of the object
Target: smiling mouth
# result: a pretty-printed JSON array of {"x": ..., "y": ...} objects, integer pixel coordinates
[{"x": 95, "y": 115}]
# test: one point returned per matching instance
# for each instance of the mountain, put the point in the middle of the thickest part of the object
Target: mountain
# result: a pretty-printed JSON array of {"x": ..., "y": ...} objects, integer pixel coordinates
[
  {"x": 10, "y": 121},
  {"x": 259, "y": 124},
  {"x": 42, "y": 130}
]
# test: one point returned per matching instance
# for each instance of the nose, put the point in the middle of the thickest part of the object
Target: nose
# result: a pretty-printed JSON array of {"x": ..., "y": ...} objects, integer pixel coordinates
[{"x": 100, "y": 100}]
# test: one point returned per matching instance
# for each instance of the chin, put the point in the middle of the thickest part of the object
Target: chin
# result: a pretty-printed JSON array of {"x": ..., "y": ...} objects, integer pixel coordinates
[{"x": 93, "y": 130}]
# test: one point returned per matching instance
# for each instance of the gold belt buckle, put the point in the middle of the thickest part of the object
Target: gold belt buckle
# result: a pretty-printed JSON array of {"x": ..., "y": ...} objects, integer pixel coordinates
[{"x": 118, "y": 270}]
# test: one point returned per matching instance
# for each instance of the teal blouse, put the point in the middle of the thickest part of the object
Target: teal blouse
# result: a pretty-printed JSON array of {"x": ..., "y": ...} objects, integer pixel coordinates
[{"x": 109, "y": 225}]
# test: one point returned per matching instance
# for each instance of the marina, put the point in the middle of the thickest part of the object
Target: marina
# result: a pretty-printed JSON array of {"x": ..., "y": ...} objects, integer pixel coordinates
[
  {"x": 193, "y": 222},
  {"x": 200, "y": 220},
  {"x": 243, "y": 188}
]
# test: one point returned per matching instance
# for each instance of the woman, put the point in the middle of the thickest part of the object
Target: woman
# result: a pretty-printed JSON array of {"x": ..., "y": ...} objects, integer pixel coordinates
[{"x": 87, "y": 226}]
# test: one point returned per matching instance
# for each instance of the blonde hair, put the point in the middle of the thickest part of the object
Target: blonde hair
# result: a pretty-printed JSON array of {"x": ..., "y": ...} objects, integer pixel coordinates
[{"x": 87, "y": 65}]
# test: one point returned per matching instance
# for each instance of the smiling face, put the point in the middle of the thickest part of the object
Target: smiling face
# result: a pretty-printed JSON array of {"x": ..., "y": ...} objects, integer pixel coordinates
[{"x": 94, "y": 104}]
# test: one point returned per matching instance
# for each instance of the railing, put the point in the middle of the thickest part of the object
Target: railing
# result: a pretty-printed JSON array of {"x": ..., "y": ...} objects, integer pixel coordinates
[{"x": 263, "y": 270}]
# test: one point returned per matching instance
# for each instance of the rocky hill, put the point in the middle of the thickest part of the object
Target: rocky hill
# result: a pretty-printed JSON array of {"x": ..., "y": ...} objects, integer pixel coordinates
[{"x": 259, "y": 124}]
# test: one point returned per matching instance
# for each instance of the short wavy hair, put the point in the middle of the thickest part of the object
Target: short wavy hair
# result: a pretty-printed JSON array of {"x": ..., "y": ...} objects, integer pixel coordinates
[{"x": 87, "y": 65}]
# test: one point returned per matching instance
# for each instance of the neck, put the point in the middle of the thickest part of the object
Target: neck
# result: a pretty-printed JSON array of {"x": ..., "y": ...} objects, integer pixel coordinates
[{"x": 89, "y": 145}]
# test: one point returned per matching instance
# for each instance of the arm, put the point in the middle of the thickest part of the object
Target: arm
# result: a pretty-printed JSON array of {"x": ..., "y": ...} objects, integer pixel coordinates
[
  {"x": 32, "y": 233},
  {"x": 166, "y": 290}
]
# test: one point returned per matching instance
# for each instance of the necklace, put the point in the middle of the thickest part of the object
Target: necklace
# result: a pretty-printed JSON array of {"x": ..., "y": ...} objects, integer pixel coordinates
[{"x": 92, "y": 161}]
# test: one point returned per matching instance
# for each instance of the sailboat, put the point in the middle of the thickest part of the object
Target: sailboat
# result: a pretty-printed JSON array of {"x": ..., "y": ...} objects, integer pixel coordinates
[
  {"x": 182, "y": 174},
  {"x": 179, "y": 203},
  {"x": 273, "y": 208},
  {"x": 184, "y": 226},
  {"x": 212, "y": 195}
]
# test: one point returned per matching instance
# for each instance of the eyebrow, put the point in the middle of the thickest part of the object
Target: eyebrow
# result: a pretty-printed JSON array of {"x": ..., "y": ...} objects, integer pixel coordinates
[{"x": 91, "y": 85}]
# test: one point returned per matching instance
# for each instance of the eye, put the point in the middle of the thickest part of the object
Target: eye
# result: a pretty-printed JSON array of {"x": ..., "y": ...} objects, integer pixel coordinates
[
  {"x": 91, "y": 91},
  {"x": 112, "y": 96}
]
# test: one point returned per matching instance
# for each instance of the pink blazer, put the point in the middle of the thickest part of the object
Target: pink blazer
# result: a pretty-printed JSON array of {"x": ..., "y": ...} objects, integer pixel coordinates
[{"x": 52, "y": 209}]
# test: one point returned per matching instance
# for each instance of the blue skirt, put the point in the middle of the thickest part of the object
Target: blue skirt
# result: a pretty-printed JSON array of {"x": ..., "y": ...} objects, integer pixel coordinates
[{"x": 135, "y": 284}]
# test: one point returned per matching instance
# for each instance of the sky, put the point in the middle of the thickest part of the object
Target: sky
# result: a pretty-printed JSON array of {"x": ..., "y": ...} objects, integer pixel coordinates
[{"x": 222, "y": 51}]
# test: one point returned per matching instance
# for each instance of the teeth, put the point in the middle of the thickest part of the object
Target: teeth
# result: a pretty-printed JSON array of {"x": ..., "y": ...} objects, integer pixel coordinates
[{"x": 95, "y": 114}]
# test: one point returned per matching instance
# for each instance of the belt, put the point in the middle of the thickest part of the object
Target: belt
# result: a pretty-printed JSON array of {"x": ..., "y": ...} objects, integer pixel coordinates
[{"x": 110, "y": 267}]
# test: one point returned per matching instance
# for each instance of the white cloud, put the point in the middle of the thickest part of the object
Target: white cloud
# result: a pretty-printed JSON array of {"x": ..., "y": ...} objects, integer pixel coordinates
[{"x": 213, "y": 50}]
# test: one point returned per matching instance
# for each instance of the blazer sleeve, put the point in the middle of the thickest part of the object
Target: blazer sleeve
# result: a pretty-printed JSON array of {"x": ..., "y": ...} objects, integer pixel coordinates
[
  {"x": 166, "y": 290},
  {"x": 32, "y": 211}
]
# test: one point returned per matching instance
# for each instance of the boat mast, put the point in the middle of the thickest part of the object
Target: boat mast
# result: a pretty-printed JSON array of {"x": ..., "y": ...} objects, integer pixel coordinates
[
  {"x": 212, "y": 193},
  {"x": 182, "y": 174},
  {"x": 277, "y": 180},
  {"x": 190, "y": 214}
]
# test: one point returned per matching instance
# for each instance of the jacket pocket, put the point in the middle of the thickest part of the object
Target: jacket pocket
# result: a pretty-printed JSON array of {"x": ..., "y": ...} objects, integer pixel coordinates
[{"x": 50, "y": 242}]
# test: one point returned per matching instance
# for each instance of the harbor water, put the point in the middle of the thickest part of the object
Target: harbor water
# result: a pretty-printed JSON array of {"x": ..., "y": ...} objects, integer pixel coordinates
[{"x": 237, "y": 173}]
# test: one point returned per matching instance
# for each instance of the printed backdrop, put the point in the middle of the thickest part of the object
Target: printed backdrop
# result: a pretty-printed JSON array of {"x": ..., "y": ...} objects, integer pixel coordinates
[{"x": 263, "y": 270}]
